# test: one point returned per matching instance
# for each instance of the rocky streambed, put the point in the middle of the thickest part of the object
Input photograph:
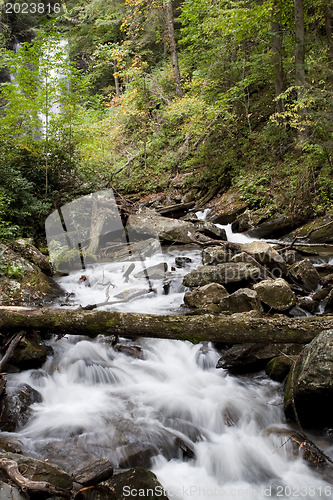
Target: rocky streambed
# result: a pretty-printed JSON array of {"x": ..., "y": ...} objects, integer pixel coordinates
[{"x": 254, "y": 279}]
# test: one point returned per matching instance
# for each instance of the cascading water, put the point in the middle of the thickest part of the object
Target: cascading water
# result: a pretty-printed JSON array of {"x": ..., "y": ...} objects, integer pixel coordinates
[{"x": 206, "y": 434}]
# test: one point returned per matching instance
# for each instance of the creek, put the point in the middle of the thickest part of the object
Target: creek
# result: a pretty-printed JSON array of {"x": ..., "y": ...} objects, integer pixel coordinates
[{"x": 161, "y": 404}]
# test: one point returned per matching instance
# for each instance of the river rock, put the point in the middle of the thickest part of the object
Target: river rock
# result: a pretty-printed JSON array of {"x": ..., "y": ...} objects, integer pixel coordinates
[
  {"x": 246, "y": 358},
  {"x": 31, "y": 352},
  {"x": 38, "y": 470},
  {"x": 183, "y": 261},
  {"x": 329, "y": 303},
  {"x": 311, "y": 383},
  {"x": 15, "y": 407},
  {"x": 232, "y": 272},
  {"x": 242, "y": 300},
  {"x": 267, "y": 256},
  {"x": 227, "y": 207},
  {"x": 308, "y": 304},
  {"x": 156, "y": 272},
  {"x": 137, "y": 482},
  {"x": 248, "y": 220},
  {"x": 149, "y": 223},
  {"x": 94, "y": 472},
  {"x": 278, "y": 368},
  {"x": 276, "y": 226},
  {"x": 211, "y": 256},
  {"x": 25, "y": 248},
  {"x": 245, "y": 257},
  {"x": 292, "y": 256},
  {"x": 305, "y": 273},
  {"x": 136, "y": 250},
  {"x": 209, "y": 229},
  {"x": 212, "y": 293},
  {"x": 317, "y": 231},
  {"x": 8, "y": 492},
  {"x": 276, "y": 294}
]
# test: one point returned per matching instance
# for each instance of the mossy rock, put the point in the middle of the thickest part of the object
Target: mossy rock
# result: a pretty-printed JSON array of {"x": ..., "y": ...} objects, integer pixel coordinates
[
  {"x": 137, "y": 482},
  {"x": 278, "y": 368},
  {"x": 31, "y": 352}
]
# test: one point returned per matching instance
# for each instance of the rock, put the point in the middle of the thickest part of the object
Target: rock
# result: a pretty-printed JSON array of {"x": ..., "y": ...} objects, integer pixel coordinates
[
  {"x": 291, "y": 257},
  {"x": 317, "y": 231},
  {"x": 308, "y": 304},
  {"x": 267, "y": 256},
  {"x": 221, "y": 273},
  {"x": 134, "y": 351},
  {"x": 212, "y": 293},
  {"x": 246, "y": 358},
  {"x": 135, "y": 251},
  {"x": 182, "y": 261},
  {"x": 278, "y": 368},
  {"x": 100, "y": 492},
  {"x": 156, "y": 272},
  {"x": 138, "y": 458},
  {"x": 23, "y": 283},
  {"x": 8, "y": 492},
  {"x": 137, "y": 482},
  {"x": 38, "y": 470},
  {"x": 248, "y": 220},
  {"x": 28, "y": 251},
  {"x": 210, "y": 230},
  {"x": 149, "y": 223},
  {"x": 241, "y": 300},
  {"x": 94, "y": 472},
  {"x": 305, "y": 273},
  {"x": 15, "y": 407},
  {"x": 276, "y": 294},
  {"x": 312, "y": 383},
  {"x": 216, "y": 255},
  {"x": 176, "y": 211},
  {"x": 245, "y": 257},
  {"x": 329, "y": 303},
  {"x": 9, "y": 444},
  {"x": 227, "y": 207},
  {"x": 30, "y": 352},
  {"x": 276, "y": 226}
]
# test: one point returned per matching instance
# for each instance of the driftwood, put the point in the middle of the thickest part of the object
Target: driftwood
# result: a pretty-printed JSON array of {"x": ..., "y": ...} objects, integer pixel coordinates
[
  {"x": 93, "y": 472},
  {"x": 12, "y": 470},
  {"x": 235, "y": 329}
]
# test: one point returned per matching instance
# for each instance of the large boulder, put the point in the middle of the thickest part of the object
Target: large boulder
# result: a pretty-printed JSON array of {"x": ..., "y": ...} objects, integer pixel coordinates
[
  {"x": 21, "y": 282},
  {"x": 305, "y": 273},
  {"x": 227, "y": 207},
  {"x": 276, "y": 294},
  {"x": 211, "y": 256},
  {"x": 222, "y": 273},
  {"x": 38, "y": 470},
  {"x": 25, "y": 248},
  {"x": 317, "y": 231},
  {"x": 278, "y": 368},
  {"x": 8, "y": 492},
  {"x": 310, "y": 383},
  {"x": 137, "y": 482},
  {"x": 212, "y": 293},
  {"x": 242, "y": 300},
  {"x": 245, "y": 257},
  {"x": 151, "y": 224},
  {"x": 15, "y": 407},
  {"x": 246, "y": 358},
  {"x": 31, "y": 352},
  {"x": 267, "y": 256},
  {"x": 276, "y": 226}
]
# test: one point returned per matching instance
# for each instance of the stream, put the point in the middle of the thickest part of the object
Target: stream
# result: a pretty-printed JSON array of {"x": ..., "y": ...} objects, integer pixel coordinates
[{"x": 161, "y": 403}]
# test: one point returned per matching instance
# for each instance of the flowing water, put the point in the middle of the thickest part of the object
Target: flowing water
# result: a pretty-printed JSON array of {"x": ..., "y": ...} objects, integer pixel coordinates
[{"x": 161, "y": 403}]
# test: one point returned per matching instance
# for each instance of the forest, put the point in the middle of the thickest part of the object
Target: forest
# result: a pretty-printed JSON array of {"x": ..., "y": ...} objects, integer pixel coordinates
[{"x": 142, "y": 95}]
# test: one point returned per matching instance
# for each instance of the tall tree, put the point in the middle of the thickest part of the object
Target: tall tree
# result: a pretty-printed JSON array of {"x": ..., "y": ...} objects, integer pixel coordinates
[
  {"x": 300, "y": 66},
  {"x": 277, "y": 49},
  {"x": 173, "y": 46}
]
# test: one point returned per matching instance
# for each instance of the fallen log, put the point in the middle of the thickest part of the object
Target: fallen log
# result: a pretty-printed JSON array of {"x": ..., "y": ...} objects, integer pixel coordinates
[{"x": 234, "y": 329}]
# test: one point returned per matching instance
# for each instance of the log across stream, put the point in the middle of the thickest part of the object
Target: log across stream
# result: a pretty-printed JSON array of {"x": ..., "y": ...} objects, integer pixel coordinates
[{"x": 235, "y": 328}]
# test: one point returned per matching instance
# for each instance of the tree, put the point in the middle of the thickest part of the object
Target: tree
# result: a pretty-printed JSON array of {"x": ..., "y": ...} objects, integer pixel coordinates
[
  {"x": 173, "y": 46},
  {"x": 277, "y": 48},
  {"x": 300, "y": 67}
]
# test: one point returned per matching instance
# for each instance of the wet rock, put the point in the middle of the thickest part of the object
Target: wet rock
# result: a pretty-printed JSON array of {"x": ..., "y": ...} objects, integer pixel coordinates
[
  {"x": 276, "y": 226},
  {"x": 31, "y": 352},
  {"x": 247, "y": 358},
  {"x": 311, "y": 383},
  {"x": 183, "y": 261},
  {"x": 9, "y": 444},
  {"x": 209, "y": 229},
  {"x": 212, "y": 293},
  {"x": 317, "y": 231},
  {"x": 134, "y": 351},
  {"x": 94, "y": 472},
  {"x": 291, "y": 257},
  {"x": 245, "y": 257},
  {"x": 212, "y": 256},
  {"x": 267, "y": 256},
  {"x": 8, "y": 492},
  {"x": 15, "y": 408},
  {"x": 242, "y": 300},
  {"x": 25, "y": 248},
  {"x": 321, "y": 294},
  {"x": 100, "y": 492},
  {"x": 276, "y": 294},
  {"x": 151, "y": 224},
  {"x": 38, "y": 470},
  {"x": 222, "y": 273},
  {"x": 227, "y": 207},
  {"x": 135, "y": 251},
  {"x": 156, "y": 272},
  {"x": 248, "y": 220},
  {"x": 278, "y": 368},
  {"x": 308, "y": 304},
  {"x": 329, "y": 303},
  {"x": 138, "y": 458},
  {"x": 137, "y": 482},
  {"x": 305, "y": 273}
]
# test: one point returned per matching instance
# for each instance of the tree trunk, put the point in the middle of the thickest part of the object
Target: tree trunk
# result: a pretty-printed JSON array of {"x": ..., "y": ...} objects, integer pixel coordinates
[
  {"x": 232, "y": 329},
  {"x": 173, "y": 46},
  {"x": 328, "y": 22},
  {"x": 116, "y": 79},
  {"x": 300, "y": 64},
  {"x": 277, "y": 49}
]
